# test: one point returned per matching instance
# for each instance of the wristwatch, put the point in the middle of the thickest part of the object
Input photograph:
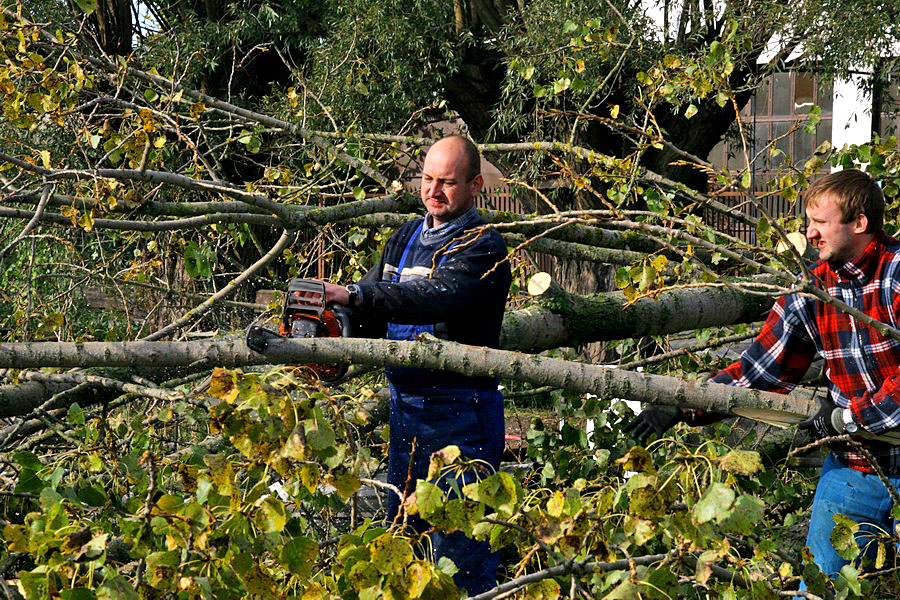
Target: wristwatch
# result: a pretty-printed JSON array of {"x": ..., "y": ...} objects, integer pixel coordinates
[
  {"x": 850, "y": 425},
  {"x": 355, "y": 295}
]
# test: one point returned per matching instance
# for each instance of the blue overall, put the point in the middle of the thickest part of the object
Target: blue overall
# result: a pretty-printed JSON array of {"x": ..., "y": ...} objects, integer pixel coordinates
[{"x": 471, "y": 419}]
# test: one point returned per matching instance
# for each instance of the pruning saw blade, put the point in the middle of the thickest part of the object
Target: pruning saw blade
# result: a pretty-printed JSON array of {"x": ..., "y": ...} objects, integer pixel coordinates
[{"x": 785, "y": 419}]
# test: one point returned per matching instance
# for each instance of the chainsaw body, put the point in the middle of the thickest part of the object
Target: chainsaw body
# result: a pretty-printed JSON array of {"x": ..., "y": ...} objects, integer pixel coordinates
[{"x": 307, "y": 315}]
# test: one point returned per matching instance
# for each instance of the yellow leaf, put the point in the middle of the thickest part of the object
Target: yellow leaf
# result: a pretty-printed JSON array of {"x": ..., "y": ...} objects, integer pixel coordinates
[
  {"x": 555, "y": 504},
  {"x": 221, "y": 383},
  {"x": 86, "y": 221},
  {"x": 614, "y": 111}
]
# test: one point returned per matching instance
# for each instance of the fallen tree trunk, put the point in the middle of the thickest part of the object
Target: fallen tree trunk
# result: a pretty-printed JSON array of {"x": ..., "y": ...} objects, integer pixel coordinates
[
  {"x": 562, "y": 319},
  {"x": 433, "y": 353}
]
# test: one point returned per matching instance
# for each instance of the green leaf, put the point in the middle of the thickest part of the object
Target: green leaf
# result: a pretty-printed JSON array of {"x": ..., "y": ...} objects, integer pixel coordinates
[
  {"x": 389, "y": 553},
  {"x": 742, "y": 462},
  {"x": 715, "y": 502},
  {"x": 458, "y": 514},
  {"x": 359, "y": 193},
  {"x": 429, "y": 498},
  {"x": 851, "y": 576},
  {"x": 663, "y": 585},
  {"x": 627, "y": 590},
  {"x": 843, "y": 537},
  {"x": 447, "y": 566},
  {"x": 499, "y": 491},
  {"x": 116, "y": 587},
  {"x": 763, "y": 228},
  {"x": 92, "y": 496},
  {"x": 198, "y": 261},
  {"x": 318, "y": 434},
  {"x": 418, "y": 576},
  {"x": 363, "y": 575},
  {"x": 546, "y": 589},
  {"x": 271, "y": 516},
  {"x": 78, "y": 593},
  {"x": 75, "y": 415},
  {"x": 169, "y": 558},
  {"x": 716, "y": 50},
  {"x": 638, "y": 460},
  {"x": 169, "y": 503},
  {"x": 27, "y": 460},
  {"x": 88, "y": 6},
  {"x": 690, "y": 111},
  {"x": 299, "y": 555},
  {"x": 745, "y": 514},
  {"x": 346, "y": 483},
  {"x": 29, "y": 482}
]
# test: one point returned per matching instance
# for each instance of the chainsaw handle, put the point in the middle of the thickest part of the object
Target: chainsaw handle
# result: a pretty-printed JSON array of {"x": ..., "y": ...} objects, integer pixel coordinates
[{"x": 345, "y": 317}]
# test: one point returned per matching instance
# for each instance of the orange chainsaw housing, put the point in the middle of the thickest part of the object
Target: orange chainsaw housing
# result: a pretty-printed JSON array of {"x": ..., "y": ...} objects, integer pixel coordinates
[{"x": 306, "y": 315}]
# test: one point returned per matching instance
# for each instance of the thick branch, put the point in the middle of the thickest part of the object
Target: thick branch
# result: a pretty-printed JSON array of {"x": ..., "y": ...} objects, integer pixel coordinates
[
  {"x": 570, "y": 320},
  {"x": 434, "y": 354}
]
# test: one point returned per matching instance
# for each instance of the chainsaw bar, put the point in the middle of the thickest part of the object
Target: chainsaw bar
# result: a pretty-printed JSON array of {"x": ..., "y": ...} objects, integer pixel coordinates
[{"x": 785, "y": 419}]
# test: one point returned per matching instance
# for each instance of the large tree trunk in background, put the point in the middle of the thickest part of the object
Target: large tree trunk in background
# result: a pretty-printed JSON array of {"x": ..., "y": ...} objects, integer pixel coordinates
[{"x": 112, "y": 20}]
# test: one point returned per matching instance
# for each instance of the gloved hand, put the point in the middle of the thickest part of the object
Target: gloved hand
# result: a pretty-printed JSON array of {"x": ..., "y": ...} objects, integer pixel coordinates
[
  {"x": 825, "y": 423},
  {"x": 658, "y": 420}
]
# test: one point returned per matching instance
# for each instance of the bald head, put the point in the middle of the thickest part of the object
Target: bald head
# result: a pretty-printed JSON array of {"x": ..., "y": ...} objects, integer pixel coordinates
[{"x": 468, "y": 152}]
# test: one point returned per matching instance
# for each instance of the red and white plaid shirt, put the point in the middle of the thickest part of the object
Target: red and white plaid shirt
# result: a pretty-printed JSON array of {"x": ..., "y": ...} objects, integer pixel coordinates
[{"x": 861, "y": 365}]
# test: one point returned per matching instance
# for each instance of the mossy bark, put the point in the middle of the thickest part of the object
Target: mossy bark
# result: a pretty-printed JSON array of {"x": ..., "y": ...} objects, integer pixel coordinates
[{"x": 569, "y": 320}]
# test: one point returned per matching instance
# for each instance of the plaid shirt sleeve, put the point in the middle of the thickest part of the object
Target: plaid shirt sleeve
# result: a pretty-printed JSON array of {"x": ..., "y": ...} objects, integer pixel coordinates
[
  {"x": 879, "y": 410},
  {"x": 781, "y": 353}
]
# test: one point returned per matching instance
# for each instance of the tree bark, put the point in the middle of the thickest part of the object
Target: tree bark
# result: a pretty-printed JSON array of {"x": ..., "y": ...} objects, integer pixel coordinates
[
  {"x": 569, "y": 320},
  {"x": 432, "y": 353}
]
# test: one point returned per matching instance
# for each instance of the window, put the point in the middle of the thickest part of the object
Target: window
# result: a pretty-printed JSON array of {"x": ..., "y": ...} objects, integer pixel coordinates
[{"x": 782, "y": 100}]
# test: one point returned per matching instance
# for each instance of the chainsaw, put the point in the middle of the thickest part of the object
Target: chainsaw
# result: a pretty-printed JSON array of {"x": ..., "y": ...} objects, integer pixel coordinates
[{"x": 307, "y": 315}]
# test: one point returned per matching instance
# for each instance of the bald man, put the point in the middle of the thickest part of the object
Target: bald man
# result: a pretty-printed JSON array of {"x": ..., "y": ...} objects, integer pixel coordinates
[{"x": 431, "y": 279}]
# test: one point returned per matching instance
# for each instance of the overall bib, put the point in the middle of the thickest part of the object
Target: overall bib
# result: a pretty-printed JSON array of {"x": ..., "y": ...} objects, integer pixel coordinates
[{"x": 471, "y": 419}]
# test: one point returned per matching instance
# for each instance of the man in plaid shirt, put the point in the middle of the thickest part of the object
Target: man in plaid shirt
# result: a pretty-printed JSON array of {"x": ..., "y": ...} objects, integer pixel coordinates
[{"x": 859, "y": 265}]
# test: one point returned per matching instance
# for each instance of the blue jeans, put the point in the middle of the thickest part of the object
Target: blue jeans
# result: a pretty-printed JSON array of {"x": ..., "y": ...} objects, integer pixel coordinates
[
  {"x": 860, "y": 496},
  {"x": 470, "y": 419}
]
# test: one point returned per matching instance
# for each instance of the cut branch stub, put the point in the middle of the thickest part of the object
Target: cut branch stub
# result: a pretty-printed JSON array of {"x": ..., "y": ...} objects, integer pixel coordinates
[{"x": 804, "y": 249}]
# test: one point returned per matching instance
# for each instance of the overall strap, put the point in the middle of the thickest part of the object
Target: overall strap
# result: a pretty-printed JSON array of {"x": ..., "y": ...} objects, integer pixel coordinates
[{"x": 409, "y": 244}]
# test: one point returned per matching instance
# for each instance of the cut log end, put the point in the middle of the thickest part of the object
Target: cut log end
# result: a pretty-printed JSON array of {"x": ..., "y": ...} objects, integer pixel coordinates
[
  {"x": 801, "y": 245},
  {"x": 539, "y": 283}
]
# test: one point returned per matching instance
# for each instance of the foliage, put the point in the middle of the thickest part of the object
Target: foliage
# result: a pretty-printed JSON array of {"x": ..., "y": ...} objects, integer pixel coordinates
[
  {"x": 248, "y": 484},
  {"x": 120, "y": 515}
]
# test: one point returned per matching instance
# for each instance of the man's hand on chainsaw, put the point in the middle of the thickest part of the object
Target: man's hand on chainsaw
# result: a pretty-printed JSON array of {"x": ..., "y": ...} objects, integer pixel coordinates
[
  {"x": 826, "y": 422},
  {"x": 336, "y": 293}
]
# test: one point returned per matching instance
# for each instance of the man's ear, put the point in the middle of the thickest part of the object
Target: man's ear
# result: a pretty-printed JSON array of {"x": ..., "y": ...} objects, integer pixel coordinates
[
  {"x": 477, "y": 183},
  {"x": 861, "y": 224}
]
